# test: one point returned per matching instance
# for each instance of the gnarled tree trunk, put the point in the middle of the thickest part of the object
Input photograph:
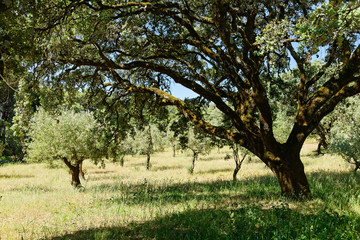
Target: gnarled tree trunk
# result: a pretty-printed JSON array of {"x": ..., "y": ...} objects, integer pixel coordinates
[
  {"x": 75, "y": 176},
  {"x": 238, "y": 162},
  {"x": 323, "y": 139},
  {"x": 290, "y": 173},
  {"x": 75, "y": 173}
]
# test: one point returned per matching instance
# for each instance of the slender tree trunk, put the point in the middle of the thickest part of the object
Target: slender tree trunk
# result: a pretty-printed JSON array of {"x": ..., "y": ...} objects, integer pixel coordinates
[
  {"x": 195, "y": 156},
  {"x": 323, "y": 140},
  {"x": 149, "y": 149},
  {"x": 122, "y": 160},
  {"x": 238, "y": 162},
  {"x": 81, "y": 172},
  {"x": 148, "y": 161},
  {"x": 236, "y": 170},
  {"x": 174, "y": 150},
  {"x": 290, "y": 173},
  {"x": 357, "y": 166}
]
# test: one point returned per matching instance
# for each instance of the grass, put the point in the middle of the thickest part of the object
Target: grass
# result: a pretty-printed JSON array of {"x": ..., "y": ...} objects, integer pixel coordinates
[{"x": 37, "y": 202}]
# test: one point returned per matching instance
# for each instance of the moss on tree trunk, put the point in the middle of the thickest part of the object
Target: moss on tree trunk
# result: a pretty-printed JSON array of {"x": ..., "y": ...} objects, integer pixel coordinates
[{"x": 291, "y": 176}]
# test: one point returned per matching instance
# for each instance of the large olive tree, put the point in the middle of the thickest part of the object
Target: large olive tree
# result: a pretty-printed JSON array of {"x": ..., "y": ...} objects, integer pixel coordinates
[{"x": 225, "y": 51}]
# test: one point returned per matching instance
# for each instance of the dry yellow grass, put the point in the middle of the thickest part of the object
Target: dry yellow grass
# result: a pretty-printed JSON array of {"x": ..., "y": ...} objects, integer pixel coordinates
[{"x": 38, "y": 201}]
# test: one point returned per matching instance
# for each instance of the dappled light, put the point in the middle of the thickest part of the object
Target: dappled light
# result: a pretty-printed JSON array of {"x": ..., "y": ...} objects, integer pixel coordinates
[
  {"x": 96, "y": 142},
  {"x": 168, "y": 202}
]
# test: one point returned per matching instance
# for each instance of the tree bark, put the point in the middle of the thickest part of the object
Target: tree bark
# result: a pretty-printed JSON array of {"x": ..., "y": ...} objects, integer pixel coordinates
[
  {"x": 148, "y": 161},
  {"x": 195, "y": 155},
  {"x": 75, "y": 173},
  {"x": 75, "y": 176},
  {"x": 290, "y": 174},
  {"x": 122, "y": 160},
  {"x": 174, "y": 150},
  {"x": 323, "y": 140},
  {"x": 81, "y": 172},
  {"x": 238, "y": 162}
]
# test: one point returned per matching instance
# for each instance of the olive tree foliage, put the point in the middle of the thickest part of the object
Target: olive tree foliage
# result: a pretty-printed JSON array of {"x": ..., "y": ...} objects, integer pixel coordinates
[
  {"x": 192, "y": 138},
  {"x": 172, "y": 140},
  {"x": 225, "y": 51},
  {"x": 345, "y": 132},
  {"x": 69, "y": 137},
  {"x": 198, "y": 142},
  {"x": 146, "y": 141}
]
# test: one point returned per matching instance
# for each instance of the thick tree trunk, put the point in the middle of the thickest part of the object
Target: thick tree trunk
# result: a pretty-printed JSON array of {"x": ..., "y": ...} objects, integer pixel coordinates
[
  {"x": 75, "y": 173},
  {"x": 148, "y": 161},
  {"x": 75, "y": 176},
  {"x": 290, "y": 173}
]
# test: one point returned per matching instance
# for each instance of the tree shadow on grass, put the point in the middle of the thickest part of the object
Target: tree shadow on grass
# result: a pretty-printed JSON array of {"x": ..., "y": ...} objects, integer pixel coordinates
[
  {"x": 216, "y": 170},
  {"x": 32, "y": 189},
  {"x": 164, "y": 168},
  {"x": 234, "y": 211},
  {"x": 248, "y": 222},
  {"x": 3, "y": 176}
]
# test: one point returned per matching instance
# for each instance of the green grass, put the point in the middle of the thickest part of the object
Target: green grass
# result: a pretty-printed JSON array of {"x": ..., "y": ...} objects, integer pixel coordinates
[{"x": 37, "y": 202}]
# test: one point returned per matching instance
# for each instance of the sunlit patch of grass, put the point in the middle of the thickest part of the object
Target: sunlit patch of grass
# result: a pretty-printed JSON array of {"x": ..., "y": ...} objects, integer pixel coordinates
[{"x": 167, "y": 202}]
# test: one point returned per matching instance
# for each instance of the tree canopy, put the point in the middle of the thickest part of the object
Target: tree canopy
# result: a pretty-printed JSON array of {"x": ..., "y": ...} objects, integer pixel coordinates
[
  {"x": 69, "y": 137},
  {"x": 228, "y": 52}
]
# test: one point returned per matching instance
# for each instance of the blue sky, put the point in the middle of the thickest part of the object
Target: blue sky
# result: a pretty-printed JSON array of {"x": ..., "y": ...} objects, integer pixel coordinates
[{"x": 181, "y": 92}]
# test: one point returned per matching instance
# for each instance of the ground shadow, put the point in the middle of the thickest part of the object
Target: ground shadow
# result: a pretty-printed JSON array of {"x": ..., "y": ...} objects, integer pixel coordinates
[
  {"x": 101, "y": 171},
  {"x": 32, "y": 189},
  {"x": 164, "y": 168},
  {"x": 234, "y": 211},
  {"x": 248, "y": 222},
  {"x": 15, "y": 176},
  {"x": 215, "y": 170}
]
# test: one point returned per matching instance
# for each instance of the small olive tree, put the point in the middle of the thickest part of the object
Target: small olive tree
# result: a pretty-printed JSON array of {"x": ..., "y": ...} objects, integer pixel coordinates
[
  {"x": 345, "y": 132},
  {"x": 147, "y": 141},
  {"x": 68, "y": 137},
  {"x": 196, "y": 141}
]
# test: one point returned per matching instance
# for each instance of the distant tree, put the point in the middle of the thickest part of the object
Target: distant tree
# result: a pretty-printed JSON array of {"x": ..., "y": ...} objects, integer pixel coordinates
[
  {"x": 345, "y": 133},
  {"x": 147, "y": 141},
  {"x": 196, "y": 141},
  {"x": 69, "y": 137},
  {"x": 238, "y": 161},
  {"x": 172, "y": 140},
  {"x": 217, "y": 118}
]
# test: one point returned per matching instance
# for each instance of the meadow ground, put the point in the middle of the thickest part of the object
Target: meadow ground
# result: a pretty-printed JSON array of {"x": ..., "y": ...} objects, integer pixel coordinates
[{"x": 167, "y": 202}]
